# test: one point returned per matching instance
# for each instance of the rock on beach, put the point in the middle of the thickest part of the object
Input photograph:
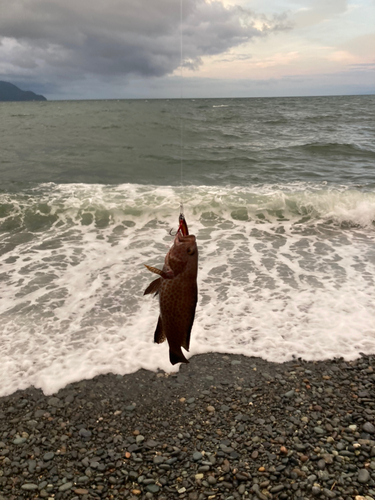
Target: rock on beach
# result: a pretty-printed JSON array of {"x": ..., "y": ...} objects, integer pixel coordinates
[{"x": 222, "y": 428}]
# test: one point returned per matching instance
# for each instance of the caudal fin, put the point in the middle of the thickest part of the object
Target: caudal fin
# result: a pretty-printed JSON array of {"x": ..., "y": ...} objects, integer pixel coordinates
[{"x": 177, "y": 357}]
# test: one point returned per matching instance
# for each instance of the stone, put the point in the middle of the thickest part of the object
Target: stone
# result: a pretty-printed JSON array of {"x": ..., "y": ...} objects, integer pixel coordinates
[
  {"x": 241, "y": 489},
  {"x": 32, "y": 465},
  {"x": 328, "y": 458},
  {"x": 19, "y": 440},
  {"x": 321, "y": 464},
  {"x": 65, "y": 487},
  {"x": 329, "y": 493},
  {"x": 363, "y": 476},
  {"x": 290, "y": 394},
  {"x": 48, "y": 456},
  {"x": 29, "y": 486},
  {"x": 153, "y": 488},
  {"x": 85, "y": 434},
  {"x": 277, "y": 488},
  {"x": 319, "y": 430},
  {"x": 369, "y": 428},
  {"x": 53, "y": 402}
]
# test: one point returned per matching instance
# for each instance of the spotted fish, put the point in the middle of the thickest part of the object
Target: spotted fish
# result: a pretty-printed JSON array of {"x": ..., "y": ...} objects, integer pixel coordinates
[{"x": 178, "y": 292}]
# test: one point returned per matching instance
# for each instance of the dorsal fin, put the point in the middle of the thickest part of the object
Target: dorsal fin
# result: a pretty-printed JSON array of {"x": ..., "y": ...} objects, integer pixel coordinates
[
  {"x": 166, "y": 273},
  {"x": 154, "y": 270}
]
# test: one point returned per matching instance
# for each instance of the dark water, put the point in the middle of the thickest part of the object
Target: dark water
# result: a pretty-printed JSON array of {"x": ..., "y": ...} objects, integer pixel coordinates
[
  {"x": 225, "y": 141},
  {"x": 279, "y": 192}
]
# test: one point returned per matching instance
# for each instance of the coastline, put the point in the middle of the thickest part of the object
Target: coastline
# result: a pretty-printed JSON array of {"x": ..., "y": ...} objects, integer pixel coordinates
[{"x": 223, "y": 427}]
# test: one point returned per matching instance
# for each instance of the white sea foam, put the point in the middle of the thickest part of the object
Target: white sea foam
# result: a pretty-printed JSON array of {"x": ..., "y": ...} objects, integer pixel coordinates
[{"x": 284, "y": 271}]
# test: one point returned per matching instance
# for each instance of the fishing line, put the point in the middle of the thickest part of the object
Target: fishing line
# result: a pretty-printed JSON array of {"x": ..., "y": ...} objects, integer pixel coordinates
[
  {"x": 182, "y": 228},
  {"x": 181, "y": 119}
]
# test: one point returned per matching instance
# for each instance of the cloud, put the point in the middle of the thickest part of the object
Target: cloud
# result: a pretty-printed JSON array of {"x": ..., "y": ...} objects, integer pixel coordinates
[
  {"x": 362, "y": 46},
  {"x": 354, "y": 81},
  {"x": 363, "y": 67},
  {"x": 69, "y": 39},
  {"x": 318, "y": 11}
]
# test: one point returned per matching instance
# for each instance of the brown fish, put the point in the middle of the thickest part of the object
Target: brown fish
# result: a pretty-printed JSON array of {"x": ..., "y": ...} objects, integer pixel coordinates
[{"x": 178, "y": 292}]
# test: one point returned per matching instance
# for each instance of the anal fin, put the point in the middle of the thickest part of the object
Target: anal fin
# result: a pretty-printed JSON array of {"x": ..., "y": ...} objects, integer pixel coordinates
[
  {"x": 159, "y": 335},
  {"x": 186, "y": 340}
]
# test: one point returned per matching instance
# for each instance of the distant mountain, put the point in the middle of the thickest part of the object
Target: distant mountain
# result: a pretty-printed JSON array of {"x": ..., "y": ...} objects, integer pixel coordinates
[{"x": 9, "y": 92}]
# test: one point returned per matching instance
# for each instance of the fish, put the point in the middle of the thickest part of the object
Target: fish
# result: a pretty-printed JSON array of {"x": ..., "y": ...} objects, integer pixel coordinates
[{"x": 178, "y": 294}]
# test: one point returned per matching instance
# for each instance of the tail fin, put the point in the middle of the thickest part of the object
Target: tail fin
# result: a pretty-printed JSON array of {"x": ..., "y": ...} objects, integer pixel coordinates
[{"x": 177, "y": 357}]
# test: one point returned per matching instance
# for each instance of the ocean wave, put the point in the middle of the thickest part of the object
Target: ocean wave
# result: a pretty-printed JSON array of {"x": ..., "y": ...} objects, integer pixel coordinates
[
  {"x": 49, "y": 205},
  {"x": 336, "y": 148}
]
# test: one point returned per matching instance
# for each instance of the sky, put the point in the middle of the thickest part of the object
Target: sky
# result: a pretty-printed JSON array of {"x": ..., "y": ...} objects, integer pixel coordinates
[{"x": 113, "y": 49}]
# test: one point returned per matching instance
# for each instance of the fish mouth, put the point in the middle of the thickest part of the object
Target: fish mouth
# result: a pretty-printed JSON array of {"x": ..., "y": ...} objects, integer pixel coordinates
[
  {"x": 190, "y": 238},
  {"x": 182, "y": 229}
]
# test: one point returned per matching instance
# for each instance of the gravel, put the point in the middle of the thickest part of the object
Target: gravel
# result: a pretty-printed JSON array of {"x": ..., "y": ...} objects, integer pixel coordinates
[{"x": 223, "y": 427}]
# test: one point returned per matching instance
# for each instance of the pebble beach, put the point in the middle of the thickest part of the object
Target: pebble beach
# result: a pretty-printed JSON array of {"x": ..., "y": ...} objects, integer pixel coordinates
[{"x": 223, "y": 427}]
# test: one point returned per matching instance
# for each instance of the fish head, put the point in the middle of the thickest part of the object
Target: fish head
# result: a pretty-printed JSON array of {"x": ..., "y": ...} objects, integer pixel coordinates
[{"x": 183, "y": 255}]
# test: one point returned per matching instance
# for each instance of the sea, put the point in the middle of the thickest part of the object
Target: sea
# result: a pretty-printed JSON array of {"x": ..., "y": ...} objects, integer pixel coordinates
[{"x": 280, "y": 193}]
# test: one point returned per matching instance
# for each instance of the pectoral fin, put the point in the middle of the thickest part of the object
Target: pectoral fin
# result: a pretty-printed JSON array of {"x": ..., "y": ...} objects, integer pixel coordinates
[
  {"x": 153, "y": 287},
  {"x": 159, "y": 335}
]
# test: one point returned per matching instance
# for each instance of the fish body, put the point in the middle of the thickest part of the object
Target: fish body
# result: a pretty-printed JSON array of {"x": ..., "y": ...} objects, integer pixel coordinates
[{"x": 178, "y": 293}]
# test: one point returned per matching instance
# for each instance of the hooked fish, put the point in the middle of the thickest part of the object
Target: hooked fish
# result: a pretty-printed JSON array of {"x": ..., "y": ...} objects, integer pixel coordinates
[{"x": 178, "y": 293}]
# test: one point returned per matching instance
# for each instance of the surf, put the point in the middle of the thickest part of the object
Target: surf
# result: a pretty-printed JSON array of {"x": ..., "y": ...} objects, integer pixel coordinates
[{"x": 285, "y": 270}]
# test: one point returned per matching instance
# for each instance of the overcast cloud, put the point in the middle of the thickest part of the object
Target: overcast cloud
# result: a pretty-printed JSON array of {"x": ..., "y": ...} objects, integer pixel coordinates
[
  {"x": 70, "y": 39},
  {"x": 130, "y": 48}
]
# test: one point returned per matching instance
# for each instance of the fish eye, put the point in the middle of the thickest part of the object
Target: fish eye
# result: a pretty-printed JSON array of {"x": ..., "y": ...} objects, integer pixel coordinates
[{"x": 191, "y": 251}]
